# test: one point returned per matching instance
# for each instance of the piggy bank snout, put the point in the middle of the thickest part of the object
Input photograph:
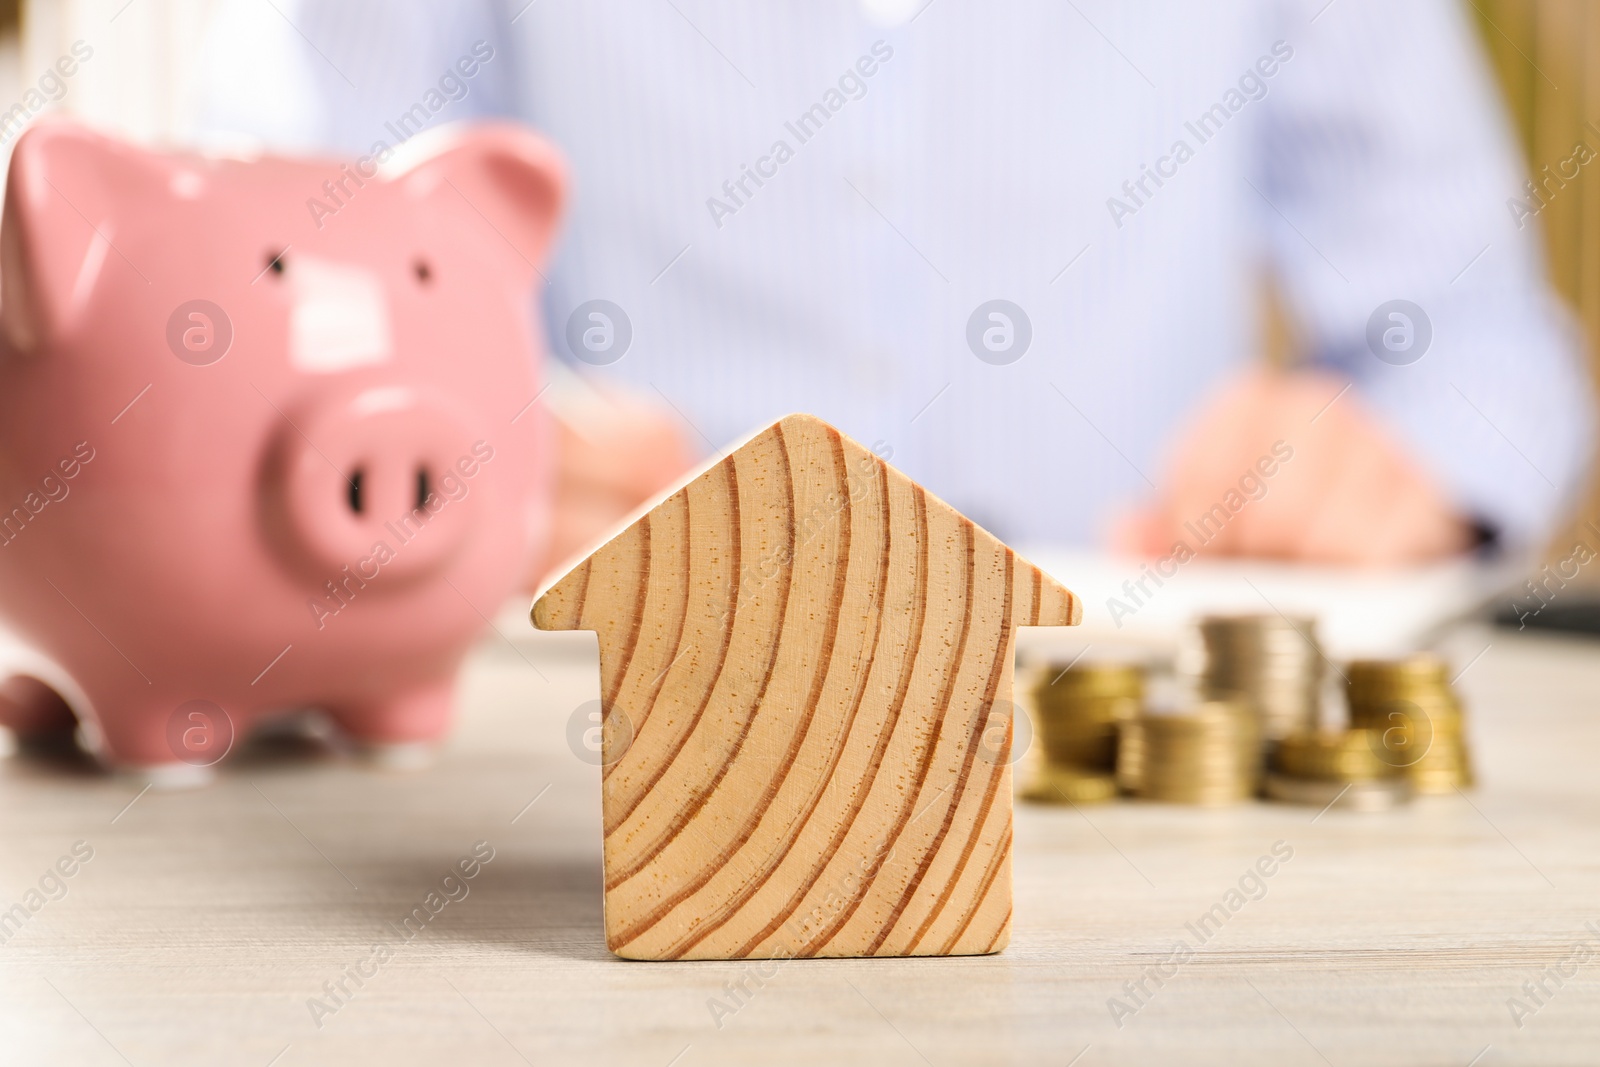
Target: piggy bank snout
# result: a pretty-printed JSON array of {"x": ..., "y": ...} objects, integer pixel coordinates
[{"x": 379, "y": 482}]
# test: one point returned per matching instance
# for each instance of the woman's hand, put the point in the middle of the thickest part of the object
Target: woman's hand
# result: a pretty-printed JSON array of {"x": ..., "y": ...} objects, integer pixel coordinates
[
  {"x": 1281, "y": 465},
  {"x": 625, "y": 451}
]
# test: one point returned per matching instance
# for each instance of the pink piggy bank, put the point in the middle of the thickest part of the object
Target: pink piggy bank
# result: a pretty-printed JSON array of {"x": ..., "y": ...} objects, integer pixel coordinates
[{"x": 267, "y": 433}]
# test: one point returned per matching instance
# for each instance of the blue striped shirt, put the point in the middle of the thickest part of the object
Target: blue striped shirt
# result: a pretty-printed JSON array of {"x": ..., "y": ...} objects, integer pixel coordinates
[{"x": 811, "y": 204}]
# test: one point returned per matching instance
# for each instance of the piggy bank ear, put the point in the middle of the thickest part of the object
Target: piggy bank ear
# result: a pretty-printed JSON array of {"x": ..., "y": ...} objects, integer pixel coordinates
[
  {"x": 69, "y": 192},
  {"x": 498, "y": 174}
]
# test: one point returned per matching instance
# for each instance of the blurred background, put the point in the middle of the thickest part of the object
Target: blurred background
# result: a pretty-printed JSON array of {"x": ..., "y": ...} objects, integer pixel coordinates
[
  {"x": 1546, "y": 56},
  {"x": 155, "y": 59},
  {"x": 144, "y": 87}
]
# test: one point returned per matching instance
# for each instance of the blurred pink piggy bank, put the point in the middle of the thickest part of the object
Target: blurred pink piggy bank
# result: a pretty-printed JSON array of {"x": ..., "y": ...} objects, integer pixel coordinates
[{"x": 267, "y": 433}]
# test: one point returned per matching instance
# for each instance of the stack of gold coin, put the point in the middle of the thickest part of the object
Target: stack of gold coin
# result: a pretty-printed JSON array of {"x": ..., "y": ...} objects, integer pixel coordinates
[
  {"x": 1077, "y": 710},
  {"x": 1345, "y": 768},
  {"x": 1210, "y": 755},
  {"x": 1273, "y": 660},
  {"x": 1335, "y": 755},
  {"x": 1130, "y": 756},
  {"x": 1416, "y": 717},
  {"x": 1068, "y": 785}
]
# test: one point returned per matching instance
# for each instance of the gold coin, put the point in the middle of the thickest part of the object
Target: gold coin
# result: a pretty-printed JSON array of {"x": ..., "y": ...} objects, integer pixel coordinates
[
  {"x": 1273, "y": 661},
  {"x": 1210, "y": 755},
  {"x": 1130, "y": 755},
  {"x": 1419, "y": 720},
  {"x": 1108, "y": 679},
  {"x": 1060, "y": 785},
  {"x": 1077, "y": 709},
  {"x": 1377, "y": 794},
  {"x": 1423, "y": 668},
  {"x": 1342, "y": 756}
]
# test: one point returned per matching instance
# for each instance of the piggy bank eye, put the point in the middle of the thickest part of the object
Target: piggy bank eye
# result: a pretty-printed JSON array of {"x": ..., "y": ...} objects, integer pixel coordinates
[
  {"x": 423, "y": 272},
  {"x": 275, "y": 262}
]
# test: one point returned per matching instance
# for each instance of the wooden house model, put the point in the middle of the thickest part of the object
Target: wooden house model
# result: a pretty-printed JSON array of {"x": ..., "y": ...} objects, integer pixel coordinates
[{"x": 806, "y": 672}]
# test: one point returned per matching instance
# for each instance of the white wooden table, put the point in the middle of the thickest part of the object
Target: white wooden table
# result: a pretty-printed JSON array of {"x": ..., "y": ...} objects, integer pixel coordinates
[{"x": 206, "y": 920}]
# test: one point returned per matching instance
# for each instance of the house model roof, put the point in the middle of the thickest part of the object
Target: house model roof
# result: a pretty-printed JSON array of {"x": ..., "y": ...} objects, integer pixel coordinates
[{"x": 806, "y": 671}]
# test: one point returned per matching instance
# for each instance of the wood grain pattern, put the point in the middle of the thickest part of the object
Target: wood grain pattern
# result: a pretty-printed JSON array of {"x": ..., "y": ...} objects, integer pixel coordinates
[{"x": 811, "y": 659}]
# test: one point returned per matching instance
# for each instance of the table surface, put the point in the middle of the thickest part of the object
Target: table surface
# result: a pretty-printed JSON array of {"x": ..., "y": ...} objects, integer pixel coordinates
[{"x": 206, "y": 920}]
